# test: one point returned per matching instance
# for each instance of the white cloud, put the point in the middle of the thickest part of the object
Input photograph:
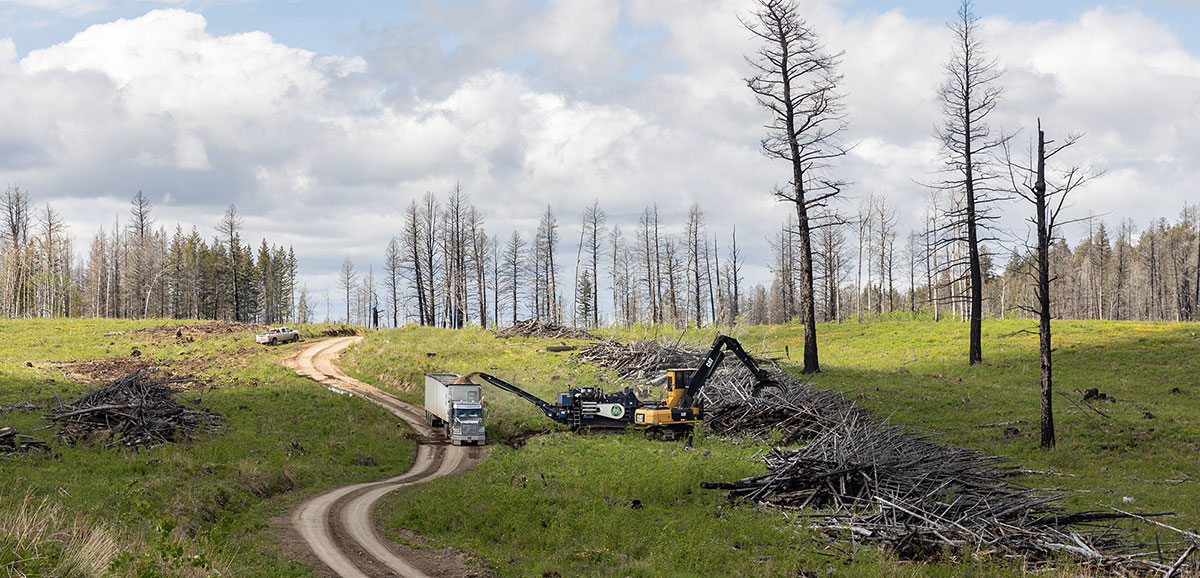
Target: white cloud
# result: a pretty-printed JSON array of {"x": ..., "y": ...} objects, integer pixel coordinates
[{"x": 633, "y": 108}]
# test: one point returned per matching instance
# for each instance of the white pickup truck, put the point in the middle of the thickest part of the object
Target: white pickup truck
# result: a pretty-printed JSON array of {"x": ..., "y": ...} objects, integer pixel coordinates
[{"x": 277, "y": 335}]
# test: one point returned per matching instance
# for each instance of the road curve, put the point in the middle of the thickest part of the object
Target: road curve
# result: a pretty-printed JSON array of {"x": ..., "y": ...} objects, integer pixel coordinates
[{"x": 338, "y": 525}]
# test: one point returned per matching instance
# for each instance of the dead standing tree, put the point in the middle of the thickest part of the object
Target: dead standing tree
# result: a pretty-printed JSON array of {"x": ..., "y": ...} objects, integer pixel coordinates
[
  {"x": 968, "y": 95},
  {"x": 1030, "y": 183},
  {"x": 796, "y": 80}
]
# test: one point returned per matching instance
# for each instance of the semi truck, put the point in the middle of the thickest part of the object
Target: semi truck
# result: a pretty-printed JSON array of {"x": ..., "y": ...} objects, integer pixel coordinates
[{"x": 455, "y": 407}]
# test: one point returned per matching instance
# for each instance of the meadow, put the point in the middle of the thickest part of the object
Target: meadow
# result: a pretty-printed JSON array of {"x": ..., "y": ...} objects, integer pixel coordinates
[
  {"x": 548, "y": 502},
  {"x": 198, "y": 508}
]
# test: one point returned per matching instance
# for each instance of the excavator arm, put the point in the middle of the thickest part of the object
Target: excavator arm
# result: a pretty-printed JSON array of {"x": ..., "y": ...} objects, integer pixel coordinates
[
  {"x": 710, "y": 363},
  {"x": 580, "y": 407},
  {"x": 552, "y": 411}
]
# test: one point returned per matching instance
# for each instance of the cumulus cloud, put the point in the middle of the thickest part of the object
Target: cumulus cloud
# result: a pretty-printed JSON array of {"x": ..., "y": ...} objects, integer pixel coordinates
[{"x": 525, "y": 105}]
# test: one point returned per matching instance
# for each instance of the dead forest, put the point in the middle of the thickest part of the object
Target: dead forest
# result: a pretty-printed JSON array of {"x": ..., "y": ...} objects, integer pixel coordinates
[
  {"x": 658, "y": 270},
  {"x": 443, "y": 268}
]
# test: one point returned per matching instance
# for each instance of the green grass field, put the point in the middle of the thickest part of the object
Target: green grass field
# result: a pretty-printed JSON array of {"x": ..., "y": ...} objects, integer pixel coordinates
[
  {"x": 201, "y": 508},
  {"x": 562, "y": 502}
]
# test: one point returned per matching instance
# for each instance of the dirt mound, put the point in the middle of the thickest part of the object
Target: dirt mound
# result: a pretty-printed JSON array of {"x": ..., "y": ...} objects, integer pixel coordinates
[
  {"x": 133, "y": 411},
  {"x": 188, "y": 332},
  {"x": 535, "y": 328}
]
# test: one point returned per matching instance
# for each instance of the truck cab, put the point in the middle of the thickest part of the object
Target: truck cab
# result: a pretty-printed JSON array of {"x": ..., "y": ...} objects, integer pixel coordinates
[
  {"x": 456, "y": 407},
  {"x": 466, "y": 422}
]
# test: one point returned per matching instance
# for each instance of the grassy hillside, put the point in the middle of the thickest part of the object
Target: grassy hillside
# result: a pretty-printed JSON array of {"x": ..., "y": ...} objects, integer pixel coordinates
[
  {"x": 191, "y": 509},
  {"x": 563, "y": 503}
]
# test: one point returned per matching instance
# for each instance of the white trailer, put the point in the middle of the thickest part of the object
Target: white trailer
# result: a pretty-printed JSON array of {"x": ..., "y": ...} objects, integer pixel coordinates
[{"x": 457, "y": 408}]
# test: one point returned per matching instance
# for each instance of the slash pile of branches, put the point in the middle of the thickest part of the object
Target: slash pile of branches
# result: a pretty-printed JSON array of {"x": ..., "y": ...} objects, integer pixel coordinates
[
  {"x": 640, "y": 359},
  {"x": 535, "y": 328},
  {"x": 881, "y": 483},
  {"x": 12, "y": 442},
  {"x": 134, "y": 411},
  {"x": 737, "y": 405},
  {"x": 921, "y": 499}
]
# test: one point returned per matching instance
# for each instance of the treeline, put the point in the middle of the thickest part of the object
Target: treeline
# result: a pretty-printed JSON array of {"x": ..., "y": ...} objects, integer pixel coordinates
[
  {"x": 865, "y": 266},
  {"x": 444, "y": 269},
  {"x": 137, "y": 270}
]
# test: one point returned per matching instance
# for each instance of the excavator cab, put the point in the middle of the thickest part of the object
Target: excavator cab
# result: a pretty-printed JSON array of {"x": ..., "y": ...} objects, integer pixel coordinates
[
  {"x": 671, "y": 416},
  {"x": 681, "y": 408}
]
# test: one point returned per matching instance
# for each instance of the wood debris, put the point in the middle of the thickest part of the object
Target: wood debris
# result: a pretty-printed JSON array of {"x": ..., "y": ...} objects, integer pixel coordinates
[
  {"x": 12, "y": 442},
  {"x": 134, "y": 411},
  {"x": 535, "y": 328},
  {"x": 640, "y": 359},
  {"x": 863, "y": 478}
]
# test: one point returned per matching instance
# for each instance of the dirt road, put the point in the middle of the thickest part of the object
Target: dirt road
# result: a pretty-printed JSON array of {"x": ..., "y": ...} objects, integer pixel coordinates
[{"x": 338, "y": 526}]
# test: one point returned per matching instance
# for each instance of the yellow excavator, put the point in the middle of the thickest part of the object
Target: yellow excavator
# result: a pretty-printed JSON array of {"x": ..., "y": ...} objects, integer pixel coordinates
[{"x": 674, "y": 416}]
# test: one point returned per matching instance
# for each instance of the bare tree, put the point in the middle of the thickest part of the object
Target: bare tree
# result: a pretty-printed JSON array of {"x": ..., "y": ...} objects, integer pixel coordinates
[
  {"x": 594, "y": 220},
  {"x": 866, "y": 213},
  {"x": 885, "y": 219},
  {"x": 513, "y": 251},
  {"x": 797, "y": 81},
  {"x": 648, "y": 250},
  {"x": 477, "y": 241},
  {"x": 428, "y": 220},
  {"x": 347, "y": 279},
  {"x": 544, "y": 267},
  {"x": 968, "y": 96},
  {"x": 830, "y": 246},
  {"x": 1030, "y": 183},
  {"x": 393, "y": 264},
  {"x": 15, "y": 205},
  {"x": 694, "y": 240},
  {"x": 735, "y": 272},
  {"x": 229, "y": 228}
]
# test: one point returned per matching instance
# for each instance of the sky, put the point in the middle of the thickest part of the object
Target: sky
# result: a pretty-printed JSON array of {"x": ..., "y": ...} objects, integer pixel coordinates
[{"x": 322, "y": 120}]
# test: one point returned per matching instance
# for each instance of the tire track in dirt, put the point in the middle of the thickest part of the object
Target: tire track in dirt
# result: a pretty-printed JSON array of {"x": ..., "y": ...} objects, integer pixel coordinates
[{"x": 338, "y": 526}]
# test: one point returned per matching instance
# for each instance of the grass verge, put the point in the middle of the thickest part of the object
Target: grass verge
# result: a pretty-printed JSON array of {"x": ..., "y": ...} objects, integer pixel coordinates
[{"x": 192, "y": 509}]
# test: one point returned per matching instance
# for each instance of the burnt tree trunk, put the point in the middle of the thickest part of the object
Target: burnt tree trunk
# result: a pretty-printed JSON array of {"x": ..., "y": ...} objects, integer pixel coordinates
[{"x": 1043, "y": 294}]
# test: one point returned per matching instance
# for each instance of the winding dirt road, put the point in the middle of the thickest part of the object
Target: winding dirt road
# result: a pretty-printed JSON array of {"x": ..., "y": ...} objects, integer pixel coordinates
[{"x": 338, "y": 526}]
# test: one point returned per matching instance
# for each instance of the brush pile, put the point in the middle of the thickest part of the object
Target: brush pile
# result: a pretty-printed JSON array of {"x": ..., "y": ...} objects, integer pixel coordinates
[
  {"x": 640, "y": 359},
  {"x": 12, "y": 442},
  {"x": 535, "y": 328},
  {"x": 737, "y": 406},
  {"x": 922, "y": 499},
  {"x": 861, "y": 477},
  {"x": 134, "y": 411}
]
